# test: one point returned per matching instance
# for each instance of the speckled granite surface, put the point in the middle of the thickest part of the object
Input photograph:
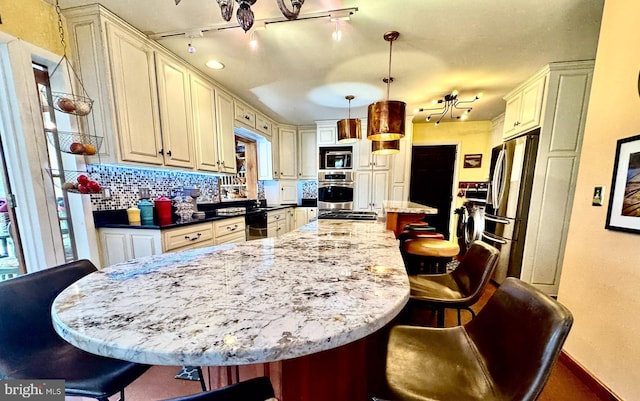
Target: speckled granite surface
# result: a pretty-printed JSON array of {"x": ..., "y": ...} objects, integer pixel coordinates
[
  {"x": 407, "y": 207},
  {"x": 321, "y": 286}
]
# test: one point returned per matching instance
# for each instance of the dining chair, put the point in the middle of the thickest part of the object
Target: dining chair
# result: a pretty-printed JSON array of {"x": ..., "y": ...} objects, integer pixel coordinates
[
  {"x": 31, "y": 349},
  {"x": 256, "y": 389},
  {"x": 458, "y": 289},
  {"x": 506, "y": 353}
]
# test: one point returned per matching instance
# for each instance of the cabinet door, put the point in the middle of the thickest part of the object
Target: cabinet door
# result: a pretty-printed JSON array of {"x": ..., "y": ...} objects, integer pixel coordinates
[
  {"x": 511, "y": 115},
  {"x": 300, "y": 217},
  {"x": 282, "y": 228},
  {"x": 244, "y": 114},
  {"x": 307, "y": 155},
  {"x": 145, "y": 244},
  {"x": 327, "y": 134},
  {"x": 288, "y": 151},
  {"x": 275, "y": 153},
  {"x": 379, "y": 190},
  {"x": 135, "y": 97},
  {"x": 265, "y": 160},
  {"x": 362, "y": 192},
  {"x": 115, "y": 248},
  {"x": 174, "y": 96},
  {"x": 263, "y": 125},
  {"x": 363, "y": 157},
  {"x": 205, "y": 131},
  {"x": 288, "y": 192},
  {"x": 531, "y": 105},
  {"x": 226, "y": 138}
]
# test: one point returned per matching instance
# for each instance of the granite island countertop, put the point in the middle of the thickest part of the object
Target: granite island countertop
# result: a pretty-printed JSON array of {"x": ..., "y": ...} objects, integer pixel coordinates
[
  {"x": 407, "y": 207},
  {"x": 321, "y": 286}
]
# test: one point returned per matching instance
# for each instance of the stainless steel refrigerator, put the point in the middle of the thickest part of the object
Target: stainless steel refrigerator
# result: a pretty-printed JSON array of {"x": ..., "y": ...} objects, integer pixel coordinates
[{"x": 507, "y": 209}]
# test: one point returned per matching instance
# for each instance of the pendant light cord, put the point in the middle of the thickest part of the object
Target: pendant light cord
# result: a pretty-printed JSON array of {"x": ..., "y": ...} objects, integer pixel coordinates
[{"x": 389, "y": 76}]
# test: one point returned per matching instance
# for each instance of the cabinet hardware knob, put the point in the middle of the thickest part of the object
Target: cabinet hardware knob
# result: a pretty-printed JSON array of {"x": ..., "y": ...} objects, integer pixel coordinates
[
  {"x": 246, "y": 117},
  {"x": 265, "y": 127},
  {"x": 161, "y": 152},
  {"x": 232, "y": 228},
  {"x": 169, "y": 153}
]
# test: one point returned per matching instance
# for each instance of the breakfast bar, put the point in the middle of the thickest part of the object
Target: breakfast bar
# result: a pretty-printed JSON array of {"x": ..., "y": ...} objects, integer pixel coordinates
[
  {"x": 401, "y": 213},
  {"x": 326, "y": 286}
]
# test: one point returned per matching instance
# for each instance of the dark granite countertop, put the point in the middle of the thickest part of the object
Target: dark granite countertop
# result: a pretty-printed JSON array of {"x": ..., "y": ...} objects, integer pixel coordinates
[{"x": 118, "y": 218}]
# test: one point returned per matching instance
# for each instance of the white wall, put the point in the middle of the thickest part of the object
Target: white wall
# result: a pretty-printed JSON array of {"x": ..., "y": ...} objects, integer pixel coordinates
[{"x": 600, "y": 282}]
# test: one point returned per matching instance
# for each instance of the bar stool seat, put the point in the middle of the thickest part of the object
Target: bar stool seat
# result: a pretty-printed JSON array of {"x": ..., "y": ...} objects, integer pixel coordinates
[
  {"x": 423, "y": 255},
  {"x": 436, "y": 248}
]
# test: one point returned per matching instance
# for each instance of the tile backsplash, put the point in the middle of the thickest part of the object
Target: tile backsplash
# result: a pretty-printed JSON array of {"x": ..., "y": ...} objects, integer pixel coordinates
[{"x": 124, "y": 183}]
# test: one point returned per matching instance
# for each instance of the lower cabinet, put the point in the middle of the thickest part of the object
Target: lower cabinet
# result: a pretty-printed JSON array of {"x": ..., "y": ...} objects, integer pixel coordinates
[
  {"x": 123, "y": 244},
  {"x": 370, "y": 190},
  {"x": 229, "y": 231},
  {"x": 304, "y": 215},
  {"x": 277, "y": 223}
]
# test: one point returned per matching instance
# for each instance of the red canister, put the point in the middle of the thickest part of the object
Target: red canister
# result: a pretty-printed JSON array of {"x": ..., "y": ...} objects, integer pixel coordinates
[{"x": 163, "y": 210}]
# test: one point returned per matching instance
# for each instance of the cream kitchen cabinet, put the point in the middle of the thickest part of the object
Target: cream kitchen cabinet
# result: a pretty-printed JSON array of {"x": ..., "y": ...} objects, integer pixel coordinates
[
  {"x": 304, "y": 215},
  {"x": 307, "y": 154},
  {"x": 123, "y": 244},
  {"x": 327, "y": 132},
  {"x": 277, "y": 223},
  {"x": 364, "y": 159},
  {"x": 229, "y": 231},
  {"x": 370, "y": 190},
  {"x": 523, "y": 108},
  {"x": 264, "y": 126},
  {"x": 265, "y": 160},
  {"x": 291, "y": 218},
  {"x": 174, "y": 96},
  {"x": 205, "y": 129},
  {"x": 287, "y": 150},
  {"x": 244, "y": 114},
  {"x": 226, "y": 138},
  {"x": 187, "y": 237}
]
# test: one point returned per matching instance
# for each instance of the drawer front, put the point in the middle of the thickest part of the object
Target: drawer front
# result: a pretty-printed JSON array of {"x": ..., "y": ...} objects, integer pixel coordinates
[
  {"x": 228, "y": 227},
  {"x": 273, "y": 217},
  {"x": 238, "y": 236},
  {"x": 190, "y": 237}
]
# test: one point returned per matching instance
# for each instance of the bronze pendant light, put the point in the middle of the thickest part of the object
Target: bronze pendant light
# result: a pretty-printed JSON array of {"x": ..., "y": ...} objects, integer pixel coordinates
[
  {"x": 385, "y": 147},
  {"x": 349, "y": 129},
  {"x": 386, "y": 119}
]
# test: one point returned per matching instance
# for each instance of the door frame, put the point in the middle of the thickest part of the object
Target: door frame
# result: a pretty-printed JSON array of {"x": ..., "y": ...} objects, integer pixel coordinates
[
  {"x": 454, "y": 186},
  {"x": 25, "y": 152}
]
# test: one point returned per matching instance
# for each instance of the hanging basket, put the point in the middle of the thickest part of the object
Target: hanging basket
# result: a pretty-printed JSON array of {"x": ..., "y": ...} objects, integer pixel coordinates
[
  {"x": 77, "y": 182},
  {"x": 74, "y": 142},
  {"x": 72, "y": 104}
]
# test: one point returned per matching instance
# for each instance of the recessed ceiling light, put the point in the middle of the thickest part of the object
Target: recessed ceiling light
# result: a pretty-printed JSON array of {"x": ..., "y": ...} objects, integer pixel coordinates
[{"x": 215, "y": 65}]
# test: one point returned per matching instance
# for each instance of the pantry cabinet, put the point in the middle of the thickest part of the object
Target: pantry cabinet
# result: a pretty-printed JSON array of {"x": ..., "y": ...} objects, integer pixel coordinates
[{"x": 174, "y": 96}]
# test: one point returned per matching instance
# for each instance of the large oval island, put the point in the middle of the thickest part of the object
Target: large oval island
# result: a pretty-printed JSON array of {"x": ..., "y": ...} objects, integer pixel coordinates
[{"x": 306, "y": 296}]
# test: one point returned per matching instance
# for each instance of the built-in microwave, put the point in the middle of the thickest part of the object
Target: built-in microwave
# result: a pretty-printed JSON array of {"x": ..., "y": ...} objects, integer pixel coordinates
[{"x": 334, "y": 160}]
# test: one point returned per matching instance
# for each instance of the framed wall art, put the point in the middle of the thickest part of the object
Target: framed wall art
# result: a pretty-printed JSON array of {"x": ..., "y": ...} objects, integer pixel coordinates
[
  {"x": 472, "y": 160},
  {"x": 623, "y": 213}
]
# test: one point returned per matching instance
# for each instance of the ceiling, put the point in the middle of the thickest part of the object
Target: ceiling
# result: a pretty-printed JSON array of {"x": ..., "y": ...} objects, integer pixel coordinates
[{"x": 298, "y": 74}]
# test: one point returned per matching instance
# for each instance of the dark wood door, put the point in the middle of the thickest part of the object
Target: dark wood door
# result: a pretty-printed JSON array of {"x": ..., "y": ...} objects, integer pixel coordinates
[{"x": 432, "y": 169}]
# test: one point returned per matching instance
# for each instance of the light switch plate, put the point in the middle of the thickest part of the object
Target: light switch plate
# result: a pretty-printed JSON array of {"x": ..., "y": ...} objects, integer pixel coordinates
[{"x": 598, "y": 196}]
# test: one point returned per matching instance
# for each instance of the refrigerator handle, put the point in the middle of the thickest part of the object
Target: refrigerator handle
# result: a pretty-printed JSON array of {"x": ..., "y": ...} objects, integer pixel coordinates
[
  {"x": 496, "y": 189},
  {"x": 496, "y": 219},
  {"x": 494, "y": 239}
]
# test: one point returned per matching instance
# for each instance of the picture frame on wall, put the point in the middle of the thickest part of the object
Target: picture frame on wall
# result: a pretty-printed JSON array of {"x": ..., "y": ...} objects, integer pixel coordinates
[
  {"x": 472, "y": 160},
  {"x": 623, "y": 213}
]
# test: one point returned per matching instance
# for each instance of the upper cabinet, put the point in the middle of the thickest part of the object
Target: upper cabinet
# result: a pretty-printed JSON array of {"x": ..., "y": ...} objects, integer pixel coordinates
[
  {"x": 174, "y": 95},
  {"x": 287, "y": 149},
  {"x": 524, "y": 105},
  {"x": 150, "y": 107},
  {"x": 244, "y": 114},
  {"x": 134, "y": 105},
  {"x": 327, "y": 132},
  {"x": 226, "y": 138},
  {"x": 307, "y": 154}
]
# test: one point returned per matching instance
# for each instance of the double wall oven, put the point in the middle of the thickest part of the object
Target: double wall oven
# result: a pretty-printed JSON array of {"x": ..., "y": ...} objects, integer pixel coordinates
[{"x": 335, "y": 190}]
